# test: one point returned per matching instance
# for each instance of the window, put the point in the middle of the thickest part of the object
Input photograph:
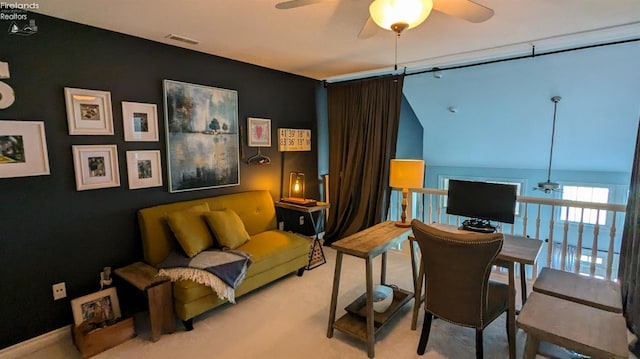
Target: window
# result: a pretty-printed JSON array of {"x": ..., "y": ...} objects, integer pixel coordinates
[{"x": 584, "y": 194}]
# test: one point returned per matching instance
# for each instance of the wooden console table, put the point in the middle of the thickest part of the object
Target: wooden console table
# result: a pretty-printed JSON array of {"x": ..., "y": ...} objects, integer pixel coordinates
[
  {"x": 158, "y": 292},
  {"x": 360, "y": 320}
]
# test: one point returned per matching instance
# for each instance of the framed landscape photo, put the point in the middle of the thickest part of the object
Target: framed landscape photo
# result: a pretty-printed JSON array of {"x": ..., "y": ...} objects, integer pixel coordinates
[
  {"x": 202, "y": 136},
  {"x": 98, "y": 306},
  {"x": 259, "y": 130},
  {"x": 140, "y": 121},
  {"x": 23, "y": 149},
  {"x": 96, "y": 166},
  {"x": 143, "y": 168},
  {"x": 88, "y": 111}
]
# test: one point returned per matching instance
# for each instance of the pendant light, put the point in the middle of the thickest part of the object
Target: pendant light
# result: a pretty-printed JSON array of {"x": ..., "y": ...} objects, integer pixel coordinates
[{"x": 548, "y": 186}]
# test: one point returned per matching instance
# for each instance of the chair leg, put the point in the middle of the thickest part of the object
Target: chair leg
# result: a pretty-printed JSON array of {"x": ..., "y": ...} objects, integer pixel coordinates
[
  {"x": 510, "y": 340},
  {"x": 424, "y": 336},
  {"x": 479, "y": 349}
]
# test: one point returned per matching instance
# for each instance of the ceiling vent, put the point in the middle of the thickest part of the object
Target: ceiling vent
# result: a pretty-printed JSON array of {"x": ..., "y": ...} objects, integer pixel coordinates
[{"x": 182, "y": 39}]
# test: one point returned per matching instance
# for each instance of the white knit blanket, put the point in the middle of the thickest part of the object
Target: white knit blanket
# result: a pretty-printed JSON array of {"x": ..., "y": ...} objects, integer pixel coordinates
[{"x": 220, "y": 270}]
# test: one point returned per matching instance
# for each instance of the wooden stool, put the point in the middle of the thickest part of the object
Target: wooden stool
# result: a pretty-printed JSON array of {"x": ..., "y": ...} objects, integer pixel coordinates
[
  {"x": 159, "y": 295},
  {"x": 586, "y": 330},
  {"x": 597, "y": 293}
]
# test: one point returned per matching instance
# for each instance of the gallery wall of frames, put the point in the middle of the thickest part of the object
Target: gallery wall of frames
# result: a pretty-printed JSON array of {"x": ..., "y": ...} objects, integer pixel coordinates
[{"x": 104, "y": 124}]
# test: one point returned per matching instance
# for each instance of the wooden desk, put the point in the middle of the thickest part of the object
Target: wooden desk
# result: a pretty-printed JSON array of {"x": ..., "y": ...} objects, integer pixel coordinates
[
  {"x": 316, "y": 246},
  {"x": 515, "y": 249},
  {"x": 584, "y": 329},
  {"x": 367, "y": 244},
  {"x": 597, "y": 293},
  {"x": 158, "y": 292}
]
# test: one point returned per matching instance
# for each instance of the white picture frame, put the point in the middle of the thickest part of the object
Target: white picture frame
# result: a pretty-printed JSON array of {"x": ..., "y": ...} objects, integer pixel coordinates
[
  {"x": 96, "y": 166},
  {"x": 23, "y": 149},
  {"x": 258, "y": 132},
  {"x": 144, "y": 169},
  {"x": 88, "y": 111},
  {"x": 102, "y": 305},
  {"x": 140, "y": 121}
]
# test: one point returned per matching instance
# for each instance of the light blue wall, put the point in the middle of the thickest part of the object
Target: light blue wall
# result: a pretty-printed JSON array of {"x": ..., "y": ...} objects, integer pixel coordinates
[
  {"x": 410, "y": 133},
  {"x": 504, "y": 114},
  {"x": 502, "y": 127}
]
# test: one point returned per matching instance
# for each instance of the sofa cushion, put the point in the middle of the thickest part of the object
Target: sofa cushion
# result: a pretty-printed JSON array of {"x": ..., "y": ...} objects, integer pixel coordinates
[
  {"x": 273, "y": 247},
  {"x": 190, "y": 229},
  {"x": 227, "y": 227}
]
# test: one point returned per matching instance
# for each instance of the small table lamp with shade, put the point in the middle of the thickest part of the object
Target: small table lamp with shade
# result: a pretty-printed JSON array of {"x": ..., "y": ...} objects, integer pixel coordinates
[{"x": 405, "y": 174}]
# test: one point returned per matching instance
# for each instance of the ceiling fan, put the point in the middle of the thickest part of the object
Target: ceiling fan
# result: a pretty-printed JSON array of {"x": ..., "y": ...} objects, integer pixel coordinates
[
  {"x": 463, "y": 9},
  {"x": 548, "y": 186}
]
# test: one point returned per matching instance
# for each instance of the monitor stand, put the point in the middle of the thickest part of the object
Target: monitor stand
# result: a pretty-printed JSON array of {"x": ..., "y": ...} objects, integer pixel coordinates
[{"x": 478, "y": 225}]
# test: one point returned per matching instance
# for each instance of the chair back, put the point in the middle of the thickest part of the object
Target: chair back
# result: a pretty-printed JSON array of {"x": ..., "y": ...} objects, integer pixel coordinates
[{"x": 457, "y": 268}]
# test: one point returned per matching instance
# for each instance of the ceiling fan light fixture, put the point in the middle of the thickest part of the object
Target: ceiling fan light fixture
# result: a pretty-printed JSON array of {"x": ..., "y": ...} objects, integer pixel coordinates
[{"x": 399, "y": 15}]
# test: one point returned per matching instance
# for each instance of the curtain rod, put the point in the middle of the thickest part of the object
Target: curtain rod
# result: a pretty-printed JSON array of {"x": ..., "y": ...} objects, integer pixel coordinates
[{"x": 532, "y": 55}]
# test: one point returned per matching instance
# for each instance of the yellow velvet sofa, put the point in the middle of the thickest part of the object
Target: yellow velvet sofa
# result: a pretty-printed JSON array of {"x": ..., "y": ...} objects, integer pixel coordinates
[{"x": 274, "y": 253}]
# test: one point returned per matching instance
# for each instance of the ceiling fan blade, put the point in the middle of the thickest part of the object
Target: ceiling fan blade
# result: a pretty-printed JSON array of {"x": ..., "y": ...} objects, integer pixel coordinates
[
  {"x": 296, "y": 3},
  {"x": 464, "y": 9},
  {"x": 368, "y": 29}
]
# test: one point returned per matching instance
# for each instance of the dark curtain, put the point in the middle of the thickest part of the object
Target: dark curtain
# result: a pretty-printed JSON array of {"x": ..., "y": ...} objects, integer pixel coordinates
[
  {"x": 363, "y": 130},
  {"x": 629, "y": 269}
]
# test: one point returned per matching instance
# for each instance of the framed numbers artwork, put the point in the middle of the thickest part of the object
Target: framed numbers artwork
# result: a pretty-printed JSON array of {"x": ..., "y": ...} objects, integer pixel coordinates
[{"x": 292, "y": 139}]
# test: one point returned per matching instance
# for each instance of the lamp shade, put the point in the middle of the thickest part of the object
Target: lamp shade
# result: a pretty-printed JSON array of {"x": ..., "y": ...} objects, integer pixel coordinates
[
  {"x": 406, "y": 173},
  {"x": 389, "y": 12}
]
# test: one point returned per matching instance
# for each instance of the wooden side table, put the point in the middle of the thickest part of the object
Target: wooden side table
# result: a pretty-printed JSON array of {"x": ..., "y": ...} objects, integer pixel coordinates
[
  {"x": 360, "y": 320},
  {"x": 158, "y": 292},
  {"x": 316, "y": 247}
]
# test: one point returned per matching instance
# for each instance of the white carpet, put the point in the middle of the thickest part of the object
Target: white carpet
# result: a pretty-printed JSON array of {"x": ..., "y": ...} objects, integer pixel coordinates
[{"x": 288, "y": 319}]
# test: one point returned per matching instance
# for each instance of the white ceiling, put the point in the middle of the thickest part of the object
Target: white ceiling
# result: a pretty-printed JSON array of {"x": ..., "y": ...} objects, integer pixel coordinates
[{"x": 320, "y": 41}]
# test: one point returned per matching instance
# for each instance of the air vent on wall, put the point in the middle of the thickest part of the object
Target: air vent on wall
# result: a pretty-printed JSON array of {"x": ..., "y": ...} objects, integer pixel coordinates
[{"x": 182, "y": 38}]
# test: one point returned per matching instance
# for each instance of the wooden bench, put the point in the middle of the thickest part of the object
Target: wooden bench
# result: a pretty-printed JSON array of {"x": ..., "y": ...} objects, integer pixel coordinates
[
  {"x": 597, "y": 293},
  {"x": 581, "y": 328}
]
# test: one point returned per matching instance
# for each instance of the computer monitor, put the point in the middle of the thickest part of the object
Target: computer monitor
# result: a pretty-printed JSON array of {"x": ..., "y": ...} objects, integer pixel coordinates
[{"x": 482, "y": 200}]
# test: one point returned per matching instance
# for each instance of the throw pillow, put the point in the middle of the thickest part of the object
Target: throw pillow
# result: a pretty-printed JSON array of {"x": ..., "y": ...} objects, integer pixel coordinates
[
  {"x": 190, "y": 229},
  {"x": 227, "y": 227}
]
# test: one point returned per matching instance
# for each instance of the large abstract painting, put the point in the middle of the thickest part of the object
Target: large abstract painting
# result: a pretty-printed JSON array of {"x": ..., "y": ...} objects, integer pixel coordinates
[{"x": 202, "y": 136}]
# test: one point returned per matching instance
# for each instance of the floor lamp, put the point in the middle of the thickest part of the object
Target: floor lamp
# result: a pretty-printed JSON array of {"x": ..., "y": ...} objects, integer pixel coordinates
[{"x": 406, "y": 174}]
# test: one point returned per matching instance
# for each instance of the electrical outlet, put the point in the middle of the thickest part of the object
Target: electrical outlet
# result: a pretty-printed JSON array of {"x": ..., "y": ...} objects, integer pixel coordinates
[
  {"x": 301, "y": 220},
  {"x": 59, "y": 291}
]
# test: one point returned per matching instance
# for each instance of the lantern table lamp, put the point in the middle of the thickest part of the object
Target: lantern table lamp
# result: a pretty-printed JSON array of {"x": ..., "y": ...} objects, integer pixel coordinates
[
  {"x": 406, "y": 174},
  {"x": 297, "y": 190}
]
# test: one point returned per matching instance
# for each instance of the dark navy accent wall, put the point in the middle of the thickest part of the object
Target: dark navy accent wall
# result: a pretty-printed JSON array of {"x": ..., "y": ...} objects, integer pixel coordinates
[{"x": 49, "y": 232}]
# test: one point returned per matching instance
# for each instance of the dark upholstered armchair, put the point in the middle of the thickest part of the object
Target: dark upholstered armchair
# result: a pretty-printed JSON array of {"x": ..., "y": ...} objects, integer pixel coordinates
[{"x": 457, "y": 268}]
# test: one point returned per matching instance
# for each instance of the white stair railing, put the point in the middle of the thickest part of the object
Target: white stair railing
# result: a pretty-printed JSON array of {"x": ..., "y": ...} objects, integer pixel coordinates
[{"x": 575, "y": 246}]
